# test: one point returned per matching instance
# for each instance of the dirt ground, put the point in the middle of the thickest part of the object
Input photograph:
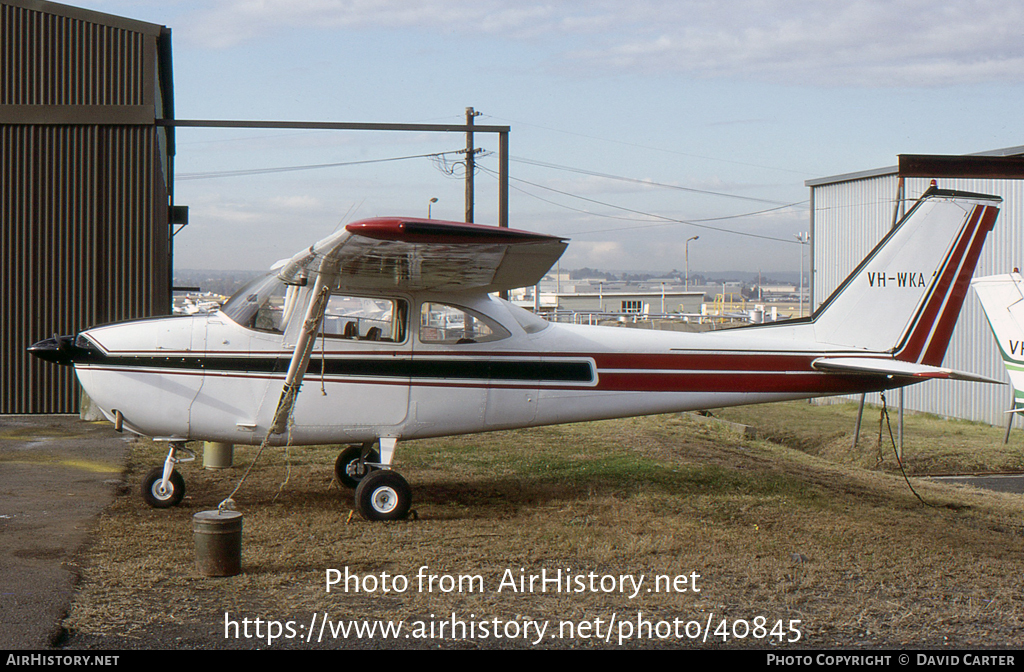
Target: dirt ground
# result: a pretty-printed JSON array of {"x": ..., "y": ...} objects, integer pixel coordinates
[{"x": 651, "y": 532}]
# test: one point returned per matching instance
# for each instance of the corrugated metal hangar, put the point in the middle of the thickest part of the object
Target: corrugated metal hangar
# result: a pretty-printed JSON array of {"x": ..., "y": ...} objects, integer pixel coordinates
[
  {"x": 851, "y": 213},
  {"x": 86, "y": 179}
]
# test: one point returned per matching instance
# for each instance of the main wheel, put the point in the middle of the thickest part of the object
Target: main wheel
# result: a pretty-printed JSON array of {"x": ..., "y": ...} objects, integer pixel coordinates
[
  {"x": 161, "y": 498},
  {"x": 350, "y": 469},
  {"x": 383, "y": 495}
]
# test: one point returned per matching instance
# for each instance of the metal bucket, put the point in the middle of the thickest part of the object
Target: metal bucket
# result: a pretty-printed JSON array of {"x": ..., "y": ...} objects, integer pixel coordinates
[
  {"x": 218, "y": 537},
  {"x": 217, "y": 455}
]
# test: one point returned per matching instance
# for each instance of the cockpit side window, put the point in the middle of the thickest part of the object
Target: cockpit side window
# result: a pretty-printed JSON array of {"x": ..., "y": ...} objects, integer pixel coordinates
[
  {"x": 365, "y": 319},
  {"x": 267, "y": 303},
  {"x": 443, "y": 323}
]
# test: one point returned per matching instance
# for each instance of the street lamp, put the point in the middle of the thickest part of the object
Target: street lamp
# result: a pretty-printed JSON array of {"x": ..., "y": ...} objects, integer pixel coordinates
[
  {"x": 431, "y": 203},
  {"x": 802, "y": 238},
  {"x": 688, "y": 260}
]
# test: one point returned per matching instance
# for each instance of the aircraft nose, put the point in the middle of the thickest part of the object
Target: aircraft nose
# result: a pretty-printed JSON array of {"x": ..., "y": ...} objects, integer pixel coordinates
[{"x": 57, "y": 350}]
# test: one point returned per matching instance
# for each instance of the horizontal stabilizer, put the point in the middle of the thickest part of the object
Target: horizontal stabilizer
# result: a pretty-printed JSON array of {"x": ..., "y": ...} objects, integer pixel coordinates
[{"x": 891, "y": 367}]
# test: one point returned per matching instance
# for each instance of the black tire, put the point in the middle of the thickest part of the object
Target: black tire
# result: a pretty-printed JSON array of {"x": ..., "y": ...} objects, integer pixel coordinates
[
  {"x": 158, "y": 500},
  {"x": 348, "y": 468},
  {"x": 383, "y": 495}
]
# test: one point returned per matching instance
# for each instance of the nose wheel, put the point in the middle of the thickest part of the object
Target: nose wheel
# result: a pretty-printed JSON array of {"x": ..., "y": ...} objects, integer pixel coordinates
[
  {"x": 160, "y": 494},
  {"x": 164, "y": 487}
]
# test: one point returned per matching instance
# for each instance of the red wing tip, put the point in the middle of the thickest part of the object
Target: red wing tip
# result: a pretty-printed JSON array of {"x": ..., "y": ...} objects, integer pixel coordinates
[{"x": 439, "y": 231}]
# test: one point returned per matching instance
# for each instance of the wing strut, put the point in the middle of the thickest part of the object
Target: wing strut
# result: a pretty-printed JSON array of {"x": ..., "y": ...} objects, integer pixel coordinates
[
  {"x": 293, "y": 380},
  {"x": 300, "y": 357}
]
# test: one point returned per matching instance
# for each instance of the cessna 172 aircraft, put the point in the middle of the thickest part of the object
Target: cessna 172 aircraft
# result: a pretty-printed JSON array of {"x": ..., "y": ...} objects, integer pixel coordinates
[
  {"x": 392, "y": 324},
  {"x": 1002, "y": 299}
]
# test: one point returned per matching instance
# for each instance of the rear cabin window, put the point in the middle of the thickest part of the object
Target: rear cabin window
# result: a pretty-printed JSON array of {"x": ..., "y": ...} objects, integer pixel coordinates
[
  {"x": 452, "y": 325},
  {"x": 365, "y": 319}
]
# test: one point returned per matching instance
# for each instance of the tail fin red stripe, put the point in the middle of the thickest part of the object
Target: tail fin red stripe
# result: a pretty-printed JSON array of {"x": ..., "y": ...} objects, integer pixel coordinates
[
  {"x": 935, "y": 350},
  {"x": 915, "y": 343}
]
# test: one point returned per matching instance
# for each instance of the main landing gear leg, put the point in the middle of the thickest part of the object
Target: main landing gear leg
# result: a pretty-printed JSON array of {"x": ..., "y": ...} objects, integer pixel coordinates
[
  {"x": 383, "y": 494},
  {"x": 354, "y": 463},
  {"x": 164, "y": 487}
]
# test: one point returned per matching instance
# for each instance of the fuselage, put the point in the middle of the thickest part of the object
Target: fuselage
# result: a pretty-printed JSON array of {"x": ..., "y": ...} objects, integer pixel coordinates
[
  {"x": 421, "y": 365},
  {"x": 389, "y": 331}
]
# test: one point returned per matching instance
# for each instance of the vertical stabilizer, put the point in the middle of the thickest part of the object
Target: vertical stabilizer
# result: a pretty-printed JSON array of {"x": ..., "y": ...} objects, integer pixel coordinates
[
  {"x": 905, "y": 296},
  {"x": 1002, "y": 299}
]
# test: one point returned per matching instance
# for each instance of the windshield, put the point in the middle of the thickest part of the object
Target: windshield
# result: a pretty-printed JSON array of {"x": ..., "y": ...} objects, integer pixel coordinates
[{"x": 259, "y": 304}]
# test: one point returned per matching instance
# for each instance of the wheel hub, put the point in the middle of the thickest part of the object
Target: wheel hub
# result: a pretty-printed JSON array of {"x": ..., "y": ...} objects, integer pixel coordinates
[
  {"x": 160, "y": 491},
  {"x": 384, "y": 499}
]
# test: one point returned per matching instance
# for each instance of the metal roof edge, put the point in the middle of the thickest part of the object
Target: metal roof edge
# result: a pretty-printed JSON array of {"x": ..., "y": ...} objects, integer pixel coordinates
[
  {"x": 894, "y": 170},
  {"x": 87, "y": 15},
  {"x": 850, "y": 177},
  {"x": 1006, "y": 151}
]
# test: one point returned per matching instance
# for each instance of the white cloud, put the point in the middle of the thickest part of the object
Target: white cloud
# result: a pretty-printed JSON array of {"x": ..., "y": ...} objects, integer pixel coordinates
[
  {"x": 868, "y": 43},
  {"x": 230, "y": 22},
  {"x": 297, "y": 203},
  {"x": 600, "y": 254}
]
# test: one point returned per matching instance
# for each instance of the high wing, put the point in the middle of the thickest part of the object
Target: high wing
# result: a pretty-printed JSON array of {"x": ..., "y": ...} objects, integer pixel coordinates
[
  {"x": 426, "y": 254},
  {"x": 405, "y": 254}
]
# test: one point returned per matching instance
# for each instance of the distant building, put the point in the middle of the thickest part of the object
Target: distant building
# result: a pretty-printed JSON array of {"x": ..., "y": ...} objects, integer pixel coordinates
[{"x": 637, "y": 301}]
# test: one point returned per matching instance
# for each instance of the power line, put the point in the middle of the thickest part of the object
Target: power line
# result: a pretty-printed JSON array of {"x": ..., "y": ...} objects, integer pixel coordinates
[
  {"x": 636, "y": 180},
  {"x": 665, "y": 221},
  {"x": 311, "y": 166},
  {"x": 695, "y": 222},
  {"x": 646, "y": 147}
]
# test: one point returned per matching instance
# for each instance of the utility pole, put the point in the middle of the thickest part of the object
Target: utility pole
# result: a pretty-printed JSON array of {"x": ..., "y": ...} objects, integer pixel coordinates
[
  {"x": 471, "y": 152},
  {"x": 687, "y": 246},
  {"x": 803, "y": 238},
  {"x": 468, "y": 128}
]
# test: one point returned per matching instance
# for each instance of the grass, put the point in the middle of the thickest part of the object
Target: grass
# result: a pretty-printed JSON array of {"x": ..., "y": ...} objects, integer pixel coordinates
[
  {"x": 785, "y": 528},
  {"x": 932, "y": 445}
]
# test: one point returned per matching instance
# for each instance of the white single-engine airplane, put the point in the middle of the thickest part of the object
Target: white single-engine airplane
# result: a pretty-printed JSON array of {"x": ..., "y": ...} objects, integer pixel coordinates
[
  {"x": 1002, "y": 299},
  {"x": 392, "y": 325}
]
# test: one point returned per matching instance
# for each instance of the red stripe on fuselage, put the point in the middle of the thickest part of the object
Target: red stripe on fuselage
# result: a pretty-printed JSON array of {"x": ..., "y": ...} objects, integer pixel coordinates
[
  {"x": 708, "y": 361},
  {"x": 811, "y": 383},
  {"x": 787, "y": 373}
]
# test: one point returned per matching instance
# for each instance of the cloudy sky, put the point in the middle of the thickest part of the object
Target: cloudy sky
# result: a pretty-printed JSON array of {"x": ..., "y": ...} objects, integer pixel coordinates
[{"x": 635, "y": 125}]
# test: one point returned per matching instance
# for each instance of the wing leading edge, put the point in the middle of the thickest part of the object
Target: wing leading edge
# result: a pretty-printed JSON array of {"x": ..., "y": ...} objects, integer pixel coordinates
[{"x": 427, "y": 254}]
